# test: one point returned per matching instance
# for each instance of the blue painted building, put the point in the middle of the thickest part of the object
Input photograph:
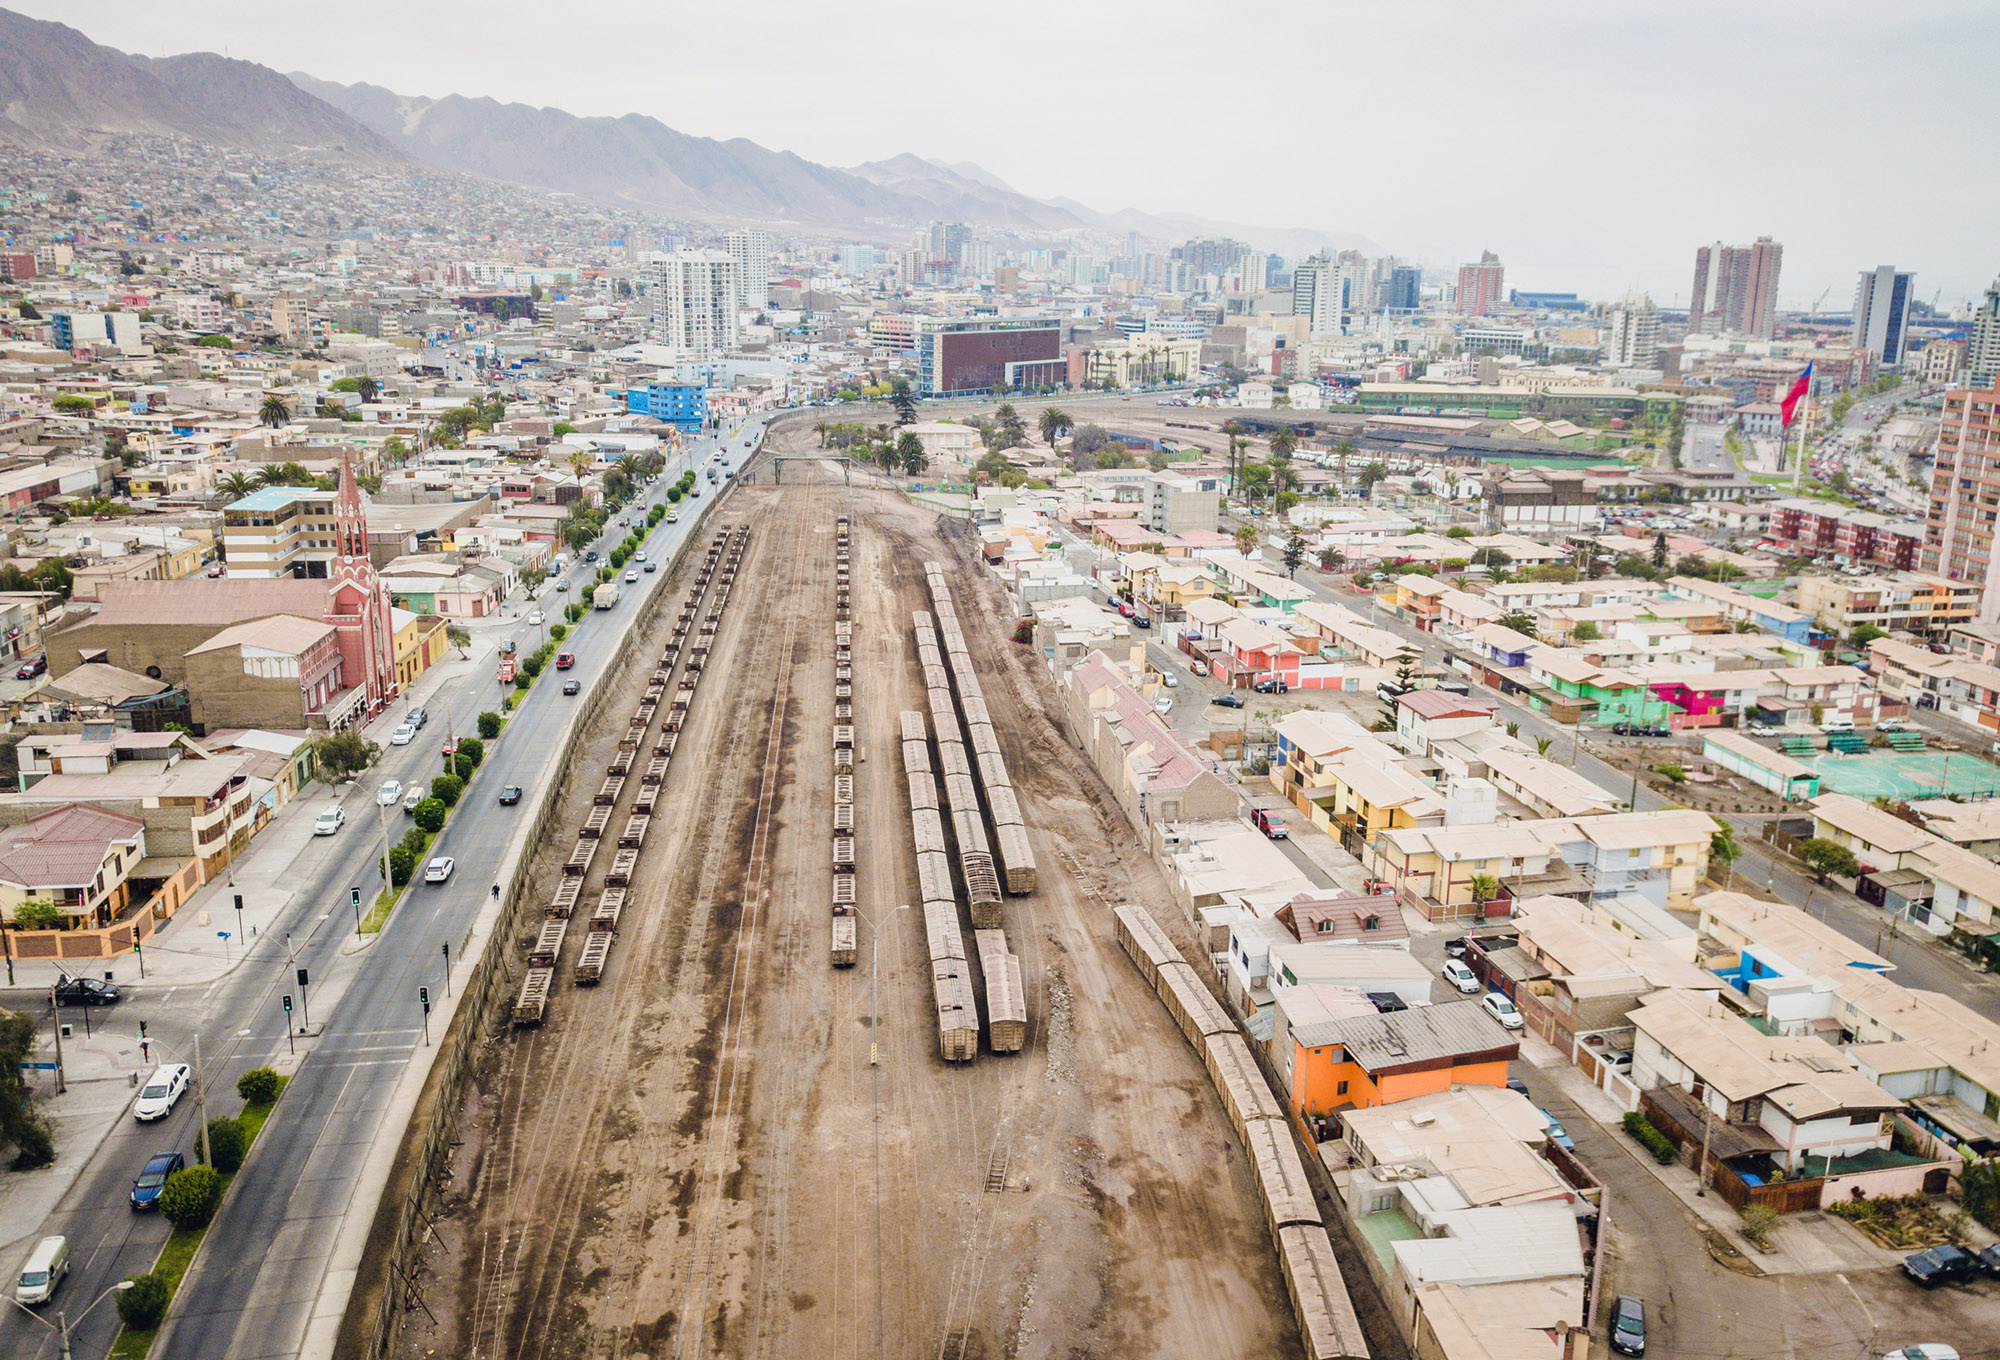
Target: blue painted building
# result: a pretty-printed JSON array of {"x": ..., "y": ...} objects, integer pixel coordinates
[{"x": 682, "y": 405}]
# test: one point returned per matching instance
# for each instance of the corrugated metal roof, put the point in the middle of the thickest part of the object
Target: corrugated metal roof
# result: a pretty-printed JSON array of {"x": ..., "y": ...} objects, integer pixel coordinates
[{"x": 1422, "y": 1034}]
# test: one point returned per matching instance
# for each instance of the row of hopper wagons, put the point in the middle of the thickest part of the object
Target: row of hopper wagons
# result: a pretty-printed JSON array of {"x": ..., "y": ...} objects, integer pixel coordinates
[
  {"x": 842, "y": 950},
  {"x": 1327, "y": 1323},
  {"x": 692, "y": 640}
]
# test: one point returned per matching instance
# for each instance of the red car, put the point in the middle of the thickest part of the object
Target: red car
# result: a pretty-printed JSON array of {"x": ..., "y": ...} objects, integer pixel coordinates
[
  {"x": 1124, "y": 607},
  {"x": 1270, "y": 823},
  {"x": 564, "y": 660}
]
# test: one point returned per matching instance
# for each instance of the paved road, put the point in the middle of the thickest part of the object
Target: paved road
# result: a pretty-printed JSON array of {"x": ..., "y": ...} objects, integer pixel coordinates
[{"x": 262, "y": 1264}]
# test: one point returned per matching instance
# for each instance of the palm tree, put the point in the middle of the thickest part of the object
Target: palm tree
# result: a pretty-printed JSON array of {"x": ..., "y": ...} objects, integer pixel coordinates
[
  {"x": 1724, "y": 849},
  {"x": 1345, "y": 447},
  {"x": 1542, "y": 745},
  {"x": 273, "y": 413},
  {"x": 579, "y": 463},
  {"x": 885, "y": 456},
  {"x": 237, "y": 485},
  {"x": 1485, "y": 888},
  {"x": 1524, "y": 624},
  {"x": 1283, "y": 444},
  {"x": 910, "y": 450},
  {"x": 1246, "y": 538},
  {"x": 1054, "y": 421},
  {"x": 820, "y": 429},
  {"x": 1006, "y": 417},
  {"x": 365, "y": 388}
]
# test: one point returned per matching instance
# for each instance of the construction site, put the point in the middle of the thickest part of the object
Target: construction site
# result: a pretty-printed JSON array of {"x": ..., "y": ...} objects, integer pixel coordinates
[{"x": 754, "y": 1130}]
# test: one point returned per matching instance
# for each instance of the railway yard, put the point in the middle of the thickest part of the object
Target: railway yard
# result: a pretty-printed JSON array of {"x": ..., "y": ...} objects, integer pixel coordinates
[{"x": 732, "y": 1119}]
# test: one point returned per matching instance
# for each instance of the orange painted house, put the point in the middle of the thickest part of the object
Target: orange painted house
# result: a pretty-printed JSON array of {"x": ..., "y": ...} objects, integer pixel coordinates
[{"x": 1360, "y": 1061}]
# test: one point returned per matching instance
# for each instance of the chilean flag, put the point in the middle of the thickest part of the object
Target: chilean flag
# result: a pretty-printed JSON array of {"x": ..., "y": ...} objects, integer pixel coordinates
[{"x": 1790, "y": 405}]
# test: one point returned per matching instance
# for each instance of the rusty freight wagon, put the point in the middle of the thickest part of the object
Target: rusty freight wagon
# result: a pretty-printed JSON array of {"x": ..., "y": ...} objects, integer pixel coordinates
[
  {"x": 590, "y": 963},
  {"x": 532, "y": 1005},
  {"x": 548, "y": 945},
  {"x": 843, "y": 937}
]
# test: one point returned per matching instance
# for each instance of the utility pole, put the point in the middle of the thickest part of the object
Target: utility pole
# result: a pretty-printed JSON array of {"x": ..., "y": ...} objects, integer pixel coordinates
[
  {"x": 1707, "y": 1127},
  {"x": 382, "y": 821},
  {"x": 56, "y": 1012},
  {"x": 201, "y": 1100}
]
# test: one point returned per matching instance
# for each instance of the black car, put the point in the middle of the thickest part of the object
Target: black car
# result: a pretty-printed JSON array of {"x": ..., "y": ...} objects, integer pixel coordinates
[
  {"x": 417, "y": 718},
  {"x": 1272, "y": 686},
  {"x": 1228, "y": 700},
  {"x": 1455, "y": 948},
  {"x": 1940, "y": 1265},
  {"x": 652, "y": 567},
  {"x": 590, "y": 556},
  {"x": 1989, "y": 1260},
  {"x": 153, "y": 1178},
  {"x": 82, "y": 991},
  {"x": 1628, "y": 1325},
  {"x": 510, "y": 795},
  {"x": 572, "y": 687}
]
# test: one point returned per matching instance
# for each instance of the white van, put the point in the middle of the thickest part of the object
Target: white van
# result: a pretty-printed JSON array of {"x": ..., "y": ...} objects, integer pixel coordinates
[
  {"x": 1839, "y": 722},
  {"x": 47, "y": 1264}
]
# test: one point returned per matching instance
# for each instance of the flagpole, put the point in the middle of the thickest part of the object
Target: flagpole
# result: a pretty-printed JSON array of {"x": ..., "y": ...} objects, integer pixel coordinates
[{"x": 1799, "y": 468}]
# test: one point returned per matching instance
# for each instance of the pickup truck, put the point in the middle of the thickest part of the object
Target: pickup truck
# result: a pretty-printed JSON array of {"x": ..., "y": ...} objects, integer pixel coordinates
[
  {"x": 564, "y": 660},
  {"x": 1270, "y": 823}
]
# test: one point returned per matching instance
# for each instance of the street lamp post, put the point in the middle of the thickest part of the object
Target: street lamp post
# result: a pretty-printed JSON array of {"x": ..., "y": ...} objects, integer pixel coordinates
[{"x": 61, "y": 1325}]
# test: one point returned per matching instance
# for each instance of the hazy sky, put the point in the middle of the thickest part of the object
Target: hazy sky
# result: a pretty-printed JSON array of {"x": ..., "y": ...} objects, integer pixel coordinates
[{"x": 1592, "y": 143}]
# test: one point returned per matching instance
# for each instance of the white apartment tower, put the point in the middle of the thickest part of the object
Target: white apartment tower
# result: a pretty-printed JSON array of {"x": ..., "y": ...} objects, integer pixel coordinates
[
  {"x": 1633, "y": 339},
  {"x": 752, "y": 252},
  {"x": 693, "y": 295}
]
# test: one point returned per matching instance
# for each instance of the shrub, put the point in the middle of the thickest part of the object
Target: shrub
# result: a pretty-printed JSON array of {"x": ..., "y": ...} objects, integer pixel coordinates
[
  {"x": 557, "y": 632},
  {"x": 143, "y": 1305},
  {"x": 402, "y": 864},
  {"x": 447, "y": 789},
  {"x": 226, "y": 1143},
  {"x": 430, "y": 815},
  {"x": 34, "y": 1141},
  {"x": 189, "y": 1198},
  {"x": 464, "y": 765},
  {"x": 473, "y": 748},
  {"x": 258, "y": 1086},
  {"x": 573, "y": 612},
  {"x": 1758, "y": 1221},
  {"x": 522, "y": 680},
  {"x": 489, "y": 725},
  {"x": 674, "y": 494},
  {"x": 531, "y": 665},
  {"x": 415, "y": 840},
  {"x": 1648, "y": 1137}
]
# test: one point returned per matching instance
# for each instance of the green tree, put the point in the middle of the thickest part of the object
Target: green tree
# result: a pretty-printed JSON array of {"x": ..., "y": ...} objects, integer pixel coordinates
[
  {"x": 143, "y": 1305},
  {"x": 226, "y": 1143},
  {"x": 1053, "y": 422},
  {"x": 1458, "y": 531},
  {"x": 1864, "y": 635},
  {"x": 1725, "y": 849},
  {"x": 473, "y": 749},
  {"x": 1542, "y": 745},
  {"x": 258, "y": 1086},
  {"x": 462, "y": 765},
  {"x": 366, "y": 388},
  {"x": 1331, "y": 559},
  {"x": 1283, "y": 443},
  {"x": 904, "y": 402},
  {"x": 1246, "y": 538},
  {"x": 1520, "y": 622},
  {"x": 1661, "y": 551},
  {"x": 430, "y": 815},
  {"x": 1372, "y": 476},
  {"x": 1295, "y": 553},
  {"x": 21, "y": 1124},
  {"x": 343, "y": 755},
  {"x": 447, "y": 789},
  {"x": 189, "y": 1198},
  {"x": 1585, "y": 631},
  {"x": 1827, "y": 859},
  {"x": 910, "y": 451},
  {"x": 273, "y": 412},
  {"x": 402, "y": 865},
  {"x": 489, "y": 722},
  {"x": 1485, "y": 887}
]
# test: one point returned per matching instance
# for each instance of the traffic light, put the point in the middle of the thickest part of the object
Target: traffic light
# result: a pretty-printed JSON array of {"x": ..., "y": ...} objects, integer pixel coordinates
[
  {"x": 142, "y": 1029},
  {"x": 424, "y": 998},
  {"x": 302, "y": 979},
  {"x": 288, "y": 1003},
  {"x": 354, "y": 897},
  {"x": 239, "y": 901}
]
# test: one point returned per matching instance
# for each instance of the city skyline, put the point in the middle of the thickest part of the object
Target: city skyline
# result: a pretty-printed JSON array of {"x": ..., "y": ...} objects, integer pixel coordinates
[{"x": 1739, "y": 92}]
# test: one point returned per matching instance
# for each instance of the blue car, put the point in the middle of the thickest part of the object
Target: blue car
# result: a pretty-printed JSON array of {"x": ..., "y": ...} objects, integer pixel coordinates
[
  {"x": 1557, "y": 1133},
  {"x": 152, "y": 1180}
]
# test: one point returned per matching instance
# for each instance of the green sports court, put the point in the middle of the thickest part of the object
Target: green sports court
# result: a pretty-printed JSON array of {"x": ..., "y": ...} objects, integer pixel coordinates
[{"x": 1907, "y": 776}]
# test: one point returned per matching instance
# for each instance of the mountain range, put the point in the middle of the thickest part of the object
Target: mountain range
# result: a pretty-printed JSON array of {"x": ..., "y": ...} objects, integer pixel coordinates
[{"x": 60, "y": 91}]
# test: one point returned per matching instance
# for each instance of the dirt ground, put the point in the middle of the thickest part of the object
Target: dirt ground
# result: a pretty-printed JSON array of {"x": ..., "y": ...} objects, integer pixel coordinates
[{"x": 698, "y": 1154}]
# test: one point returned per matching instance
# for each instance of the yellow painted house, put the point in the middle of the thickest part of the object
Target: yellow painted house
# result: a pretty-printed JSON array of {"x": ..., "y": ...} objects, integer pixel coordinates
[{"x": 420, "y": 644}]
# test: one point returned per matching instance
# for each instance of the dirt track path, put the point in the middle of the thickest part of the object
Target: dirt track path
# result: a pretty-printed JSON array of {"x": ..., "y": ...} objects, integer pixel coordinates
[{"x": 704, "y": 1137}]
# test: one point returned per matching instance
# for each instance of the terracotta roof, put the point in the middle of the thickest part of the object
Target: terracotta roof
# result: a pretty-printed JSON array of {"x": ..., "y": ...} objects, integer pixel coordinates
[
  {"x": 64, "y": 848},
  {"x": 200, "y": 600}
]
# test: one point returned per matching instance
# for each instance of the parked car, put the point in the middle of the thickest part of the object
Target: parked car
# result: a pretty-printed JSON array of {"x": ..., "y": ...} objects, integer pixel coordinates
[
  {"x": 534, "y": 618},
  {"x": 1124, "y": 607},
  {"x": 31, "y": 668},
  {"x": 1228, "y": 700},
  {"x": 1142, "y": 620},
  {"x": 1928, "y": 1350},
  {"x": 1170, "y": 680},
  {"x": 439, "y": 869},
  {"x": 153, "y": 1178},
  {"x": 329, "y": 822},
  {"x": 83, "y": 991},
  {"x": 162, "y": 1092},
  {"x": 1198, "y": 667},
  {"x": 403, "y": 735},
  {"x": 391, "y": 791},
  {"x": 572, "y": 687},
  {"x": 1272, "y": 685},
  {"x": 1628, "y": 1325},
  {"x": 1557, "y": 1133},
  {"x": 510, "y": 795},
  {"x": 1989, "y": 1260},
  {"x": 1459, "y": 976},
  {"x": 1456, "y": 947},
  {"x": 416, "y": 718},
  {"x": 1164, "y": 705},
  {"x": 1270, "y": 823},
  {"x": 1501, "y": 1009},
  {"x": 1940, "y": 1265}
]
